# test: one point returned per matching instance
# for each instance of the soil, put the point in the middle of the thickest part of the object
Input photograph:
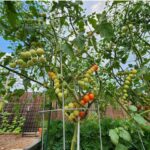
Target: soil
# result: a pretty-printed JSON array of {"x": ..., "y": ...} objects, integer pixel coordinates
[{"x": 16, "y": 142}]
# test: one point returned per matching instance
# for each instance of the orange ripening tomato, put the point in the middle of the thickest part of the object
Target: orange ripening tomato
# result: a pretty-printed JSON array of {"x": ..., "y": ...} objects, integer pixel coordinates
[
  {"x": 52, "y": 75},
  {"x": 95, "y": 67},
  {"x": 86, "y": 98},
  {"x": 81, "y": 114},
  {"x": 83, "y": 102},
  {"x": 91, "y": 96}
]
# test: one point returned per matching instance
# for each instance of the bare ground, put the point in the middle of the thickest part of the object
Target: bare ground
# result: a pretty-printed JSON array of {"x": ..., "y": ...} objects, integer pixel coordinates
[{"x": 12, "y": 142}]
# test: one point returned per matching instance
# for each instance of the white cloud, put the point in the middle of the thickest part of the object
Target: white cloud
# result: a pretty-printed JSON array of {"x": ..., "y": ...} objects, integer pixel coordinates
[{"x": 98, "y": 7}]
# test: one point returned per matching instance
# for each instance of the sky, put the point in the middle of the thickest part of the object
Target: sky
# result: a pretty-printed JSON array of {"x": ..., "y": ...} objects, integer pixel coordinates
[{"x": 89, "y": 6}]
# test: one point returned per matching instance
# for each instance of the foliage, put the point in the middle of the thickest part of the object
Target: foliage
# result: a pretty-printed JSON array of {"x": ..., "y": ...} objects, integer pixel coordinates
[
  {"x": 90, "y": 135},
  {"x": 11, "y": 124}
]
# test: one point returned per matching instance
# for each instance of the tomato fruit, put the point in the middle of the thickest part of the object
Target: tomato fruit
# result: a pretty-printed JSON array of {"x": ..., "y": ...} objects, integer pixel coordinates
[
  {"x": 95, "y": 67},
  {"x": 91, "y": 96},
  {"x": 81, "y": 114},
  {"x": 86, "y": 98},
  {"x": 83, "y": 102}
]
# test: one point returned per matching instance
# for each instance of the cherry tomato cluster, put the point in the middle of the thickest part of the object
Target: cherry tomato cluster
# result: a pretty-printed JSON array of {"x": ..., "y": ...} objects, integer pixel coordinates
[
  {"x": 57, "y": 85},
  {"x": 126, "y": 86},
  {"x": 128, "y": 82},
  {"x": 72, "y": 114},
  {"x": 126, "y": 28},
  {"x": 29, "y": 58},
  {"x": 87, "y": 98},
  {"x": 87, "y": 76},
  {"x": 140, "y": 107}
]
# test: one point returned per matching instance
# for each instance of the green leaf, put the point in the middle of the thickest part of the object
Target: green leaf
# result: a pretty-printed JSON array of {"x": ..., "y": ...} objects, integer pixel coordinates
[
  {"x": 132, "y": 108},
  {"x": 33, "y": 10},
  {"x": 18, "y": 92},
  {"x": 92, "y": 21},
  {"x": 124, "y": 59},
  {"x": 118, "y": 1},
  {"x": 12, "y": 82},
  {"x": 114, "y": 136},
  {"x": 121, "y": 147},
  {"x": 2, "y": 54},
  {"x": 26, "y": 83},
  {"x": 94, "y": 42},
  {"x": 105, "y": 29},
  {"x": 67, "y": 49},
  {"x": 51, "y": 92},
  {"x": 125, "y": 135},
  {"x": 79, "y": 42},
  {"x": 11, "y": 12},
  {"x": 81, "y": 25},
  {"x": 139, "y": 119}
]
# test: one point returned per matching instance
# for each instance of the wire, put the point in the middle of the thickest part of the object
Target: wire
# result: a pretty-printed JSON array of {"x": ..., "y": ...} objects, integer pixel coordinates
[
  {"x": 78, "y": 135},
  {"x": 63, "y": 111},
  {"x": 43, "y": 117},
  {"x": 100, "y": 130}
]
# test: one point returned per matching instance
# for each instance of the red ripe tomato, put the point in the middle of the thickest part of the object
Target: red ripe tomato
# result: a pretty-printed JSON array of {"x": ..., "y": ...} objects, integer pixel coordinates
[
  {"x": 83, "y": 102},
  {"x": 95, "y": 67},
  {"x": 81, "y": 114},
  {"x": 86, "y": 98},
  {"x": 91, "y": 96}
]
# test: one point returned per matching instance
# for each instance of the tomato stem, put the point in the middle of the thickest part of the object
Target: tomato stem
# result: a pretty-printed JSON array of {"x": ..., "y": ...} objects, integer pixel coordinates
[{"x": 74, "y": 139}]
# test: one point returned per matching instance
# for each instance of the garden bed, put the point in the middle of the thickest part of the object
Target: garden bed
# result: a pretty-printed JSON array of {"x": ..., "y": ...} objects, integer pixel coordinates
[{"x": 12, "y": 142}]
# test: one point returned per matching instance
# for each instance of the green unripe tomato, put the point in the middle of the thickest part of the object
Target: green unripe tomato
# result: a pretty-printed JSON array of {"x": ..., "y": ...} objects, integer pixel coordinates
[
  {"x": 23, "y": 65},
  {"x": 131, "y": 26},
  {"x": 33, "y": 52},
  {"x": 66, "y": 107},
  {"x": 124, "y": 91},
  {"x": 126, "y": 86},
  {"x": 128, "y": 78},
  {"x": 85, "y": 79},
  {"x": 27, "y": 54},
  {"x": 127, "y": 82},
  {"x": 76, "y": 113},
  {"x": 123, "y": 34},
  {"x": 56, "y": 80},
  {"x": 12, "y": 65},
  {"x": 34, "y": 59},
  {"x": 30, "y": 63},
  {"x": 81, "y": 83},
  {"x": 57, "y": 91},
  {"x": 20, "y": 61},
  {"x": 40, "y": 51},
  {"x": 56, "y": 85},
  {"x": 87, "y": 75},
  {"x": 42, "y": 60},
  {"x": 124, "y": 29},
  {"x": 60, "y": 95},
  {"x": 65, "y": 92},
  {"x": 133, "y": 71},
  {"x": 126, "y": 95},
  {"x": 131, "y": 75},
  {"x": 70, "y": 105},
  {"x": 71, "y": 117},
  {"x": 23, "y": 55}
]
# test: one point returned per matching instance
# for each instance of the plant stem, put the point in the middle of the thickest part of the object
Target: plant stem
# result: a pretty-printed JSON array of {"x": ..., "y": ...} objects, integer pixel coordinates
[
  {"x": 74, "y": 139},
  {"x": 20, "y": 74}
]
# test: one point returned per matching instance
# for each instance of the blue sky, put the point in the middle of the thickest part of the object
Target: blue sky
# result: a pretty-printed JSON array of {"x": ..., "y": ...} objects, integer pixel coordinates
[
  {"x": 4, "y": 45},
  {"x": 90, "y": 6}
]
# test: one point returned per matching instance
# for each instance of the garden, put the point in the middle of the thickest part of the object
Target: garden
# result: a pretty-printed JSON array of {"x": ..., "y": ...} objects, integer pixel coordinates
[{"x": 75, "y": 75}]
